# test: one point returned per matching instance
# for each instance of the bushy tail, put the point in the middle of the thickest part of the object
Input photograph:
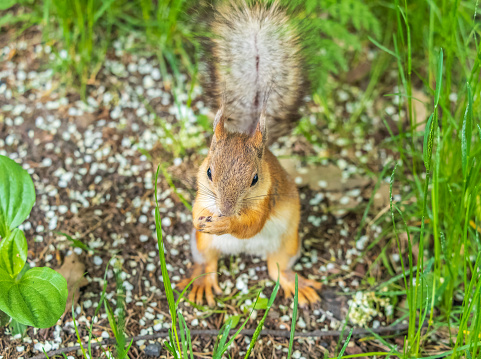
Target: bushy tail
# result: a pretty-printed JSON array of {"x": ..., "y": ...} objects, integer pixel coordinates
[{"x": 255, "y": 51}]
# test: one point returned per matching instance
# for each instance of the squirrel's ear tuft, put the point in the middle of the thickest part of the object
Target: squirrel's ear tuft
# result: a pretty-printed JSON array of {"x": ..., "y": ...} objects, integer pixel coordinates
[
  {"x": 260, "y": 134},
  {"x": 219, "y": 130}
]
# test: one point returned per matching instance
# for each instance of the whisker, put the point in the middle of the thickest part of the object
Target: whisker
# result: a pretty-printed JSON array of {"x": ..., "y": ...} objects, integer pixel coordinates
[{"x": 271, "y": 195}]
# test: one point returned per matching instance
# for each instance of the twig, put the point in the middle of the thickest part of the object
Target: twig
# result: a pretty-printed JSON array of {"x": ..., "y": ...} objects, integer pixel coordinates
[{"x": 212, "y": 332}]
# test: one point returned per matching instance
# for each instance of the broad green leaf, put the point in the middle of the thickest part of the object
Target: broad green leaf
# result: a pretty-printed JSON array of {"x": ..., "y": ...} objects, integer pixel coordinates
[
  {"x": 17, "y": 195},
  {"x": 38, "y": 299},
  {"x": 6, "y": 4},
  {"x": 13, "y": 252}
]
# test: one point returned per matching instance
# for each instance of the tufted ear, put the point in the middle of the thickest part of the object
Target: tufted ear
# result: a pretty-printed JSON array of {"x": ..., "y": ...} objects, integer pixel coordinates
[
  {"x": 219, "y": 130},
  {"x": 259, "y": 138}
]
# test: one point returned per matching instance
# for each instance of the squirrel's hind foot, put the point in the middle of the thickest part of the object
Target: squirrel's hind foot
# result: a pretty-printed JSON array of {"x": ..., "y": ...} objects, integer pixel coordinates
[
  {"x": 306, "y": 288},
  {"x": 205, "y": 284}
]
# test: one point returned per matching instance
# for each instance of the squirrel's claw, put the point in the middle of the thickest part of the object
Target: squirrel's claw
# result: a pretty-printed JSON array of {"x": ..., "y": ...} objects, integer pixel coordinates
[
  {"x": 217, "y": 225},
  {"x": 306, "y": 288},
  {"x": 206, "y": 284}
]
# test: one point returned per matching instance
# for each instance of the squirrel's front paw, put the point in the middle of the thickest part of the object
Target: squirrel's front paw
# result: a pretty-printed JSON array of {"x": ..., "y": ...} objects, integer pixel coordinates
[
  {"x": 213, "y": 225},
  {"x": 204, "y": 284}
]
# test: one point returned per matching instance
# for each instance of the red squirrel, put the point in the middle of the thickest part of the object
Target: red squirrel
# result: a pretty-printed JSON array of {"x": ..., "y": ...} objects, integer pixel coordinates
[{"x": 246, "y": 202}]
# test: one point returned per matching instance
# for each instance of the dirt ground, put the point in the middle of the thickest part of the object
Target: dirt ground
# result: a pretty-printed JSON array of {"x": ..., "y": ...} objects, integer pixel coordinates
[{"x": 93, "y": 164}]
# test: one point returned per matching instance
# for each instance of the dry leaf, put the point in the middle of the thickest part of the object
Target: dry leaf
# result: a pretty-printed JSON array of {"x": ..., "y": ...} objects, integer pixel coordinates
[
  {"x": 353, "y": 349},
  {"x": 358, "y": 73},
  {"x": 420, "y": 103},
  {"x": 381, "y": 198},
  {"x": 73, "y": 270}
]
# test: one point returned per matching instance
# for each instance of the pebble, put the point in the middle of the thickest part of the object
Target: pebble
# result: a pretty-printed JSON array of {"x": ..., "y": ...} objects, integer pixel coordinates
[
  {"x": 166, "y": 222},
  {"x": 152, "y": 350}
]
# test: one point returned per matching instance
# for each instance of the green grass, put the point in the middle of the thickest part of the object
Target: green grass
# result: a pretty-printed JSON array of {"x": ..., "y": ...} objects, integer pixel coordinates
[
  {"x": 443, "y": 168},
  {"x": 434, "y": 46},
  {"x": 115, "y": 318},
  {"x": 81, "y": 32}
]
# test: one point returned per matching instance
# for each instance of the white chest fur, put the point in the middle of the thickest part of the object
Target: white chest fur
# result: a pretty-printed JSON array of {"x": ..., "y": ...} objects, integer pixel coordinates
[{"x": 268, "y": 240}]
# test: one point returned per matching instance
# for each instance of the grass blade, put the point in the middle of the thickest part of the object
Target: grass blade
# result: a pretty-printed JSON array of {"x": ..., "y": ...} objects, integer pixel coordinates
[
  {"x": 467, "y": 132},
  {"x": 261, "y": 323},
  {"x": 165, "y": 275},
  {"x": 294, "y": 320},
  {"x": 439, "y": 79},
  {"x": 343, "y": 349}
]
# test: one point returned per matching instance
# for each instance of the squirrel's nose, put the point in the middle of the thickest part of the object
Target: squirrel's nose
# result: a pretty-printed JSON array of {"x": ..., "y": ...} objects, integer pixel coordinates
[{"x": 227, "y": 208}]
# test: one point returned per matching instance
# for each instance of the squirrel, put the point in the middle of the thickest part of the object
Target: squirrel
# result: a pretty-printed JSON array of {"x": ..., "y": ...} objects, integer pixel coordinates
[{"x": 246, "y": 202}]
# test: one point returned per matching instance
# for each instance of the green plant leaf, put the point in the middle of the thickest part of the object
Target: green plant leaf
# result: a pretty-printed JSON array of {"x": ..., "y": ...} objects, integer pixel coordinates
[
  {"x": 467, "y": 132},
  {"x": 38, "y": 299},
  {"x": 13, "y": 253},
  {"x": 294, "y": 318},
  {"x": 261, "y": 304},
  {"x": 17, "y": 328},
  {"x": 261, "y": 323},
  {"x": 428, "y": 139},
  {"x": 382, "y": 47},
  {"x": 346, "y": 343},
  {"x": 6, "y": 4},
  {"x": 235, "y": 320},
  {"x": 77, "y": 243},
  {"x": 17, "y": 195}
]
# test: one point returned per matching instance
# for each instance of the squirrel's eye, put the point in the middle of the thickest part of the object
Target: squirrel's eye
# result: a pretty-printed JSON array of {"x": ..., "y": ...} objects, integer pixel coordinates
[
  {"x": 254, "y": 180},
  {"x": 209, "y": 174}
]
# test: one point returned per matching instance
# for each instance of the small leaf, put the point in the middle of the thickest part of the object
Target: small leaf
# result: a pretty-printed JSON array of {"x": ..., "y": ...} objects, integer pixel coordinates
[
  {"x": 261, "y": 304},
  {"x": 13, "y": 253},
  {"x": 235, "y": 320},
  {"x": 382, "y": 47},
  {"x": 17, "y": 195},
  {"x": 77, "y": 243},
  {"x": 111, "y": 318},
  {"x": 38, "y": 299}
]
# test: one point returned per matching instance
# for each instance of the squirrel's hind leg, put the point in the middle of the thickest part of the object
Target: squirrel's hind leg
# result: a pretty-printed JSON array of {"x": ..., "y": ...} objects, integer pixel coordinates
[
  {"x": 205, "y": 268},
  {"x": 280, "y": 263}
]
